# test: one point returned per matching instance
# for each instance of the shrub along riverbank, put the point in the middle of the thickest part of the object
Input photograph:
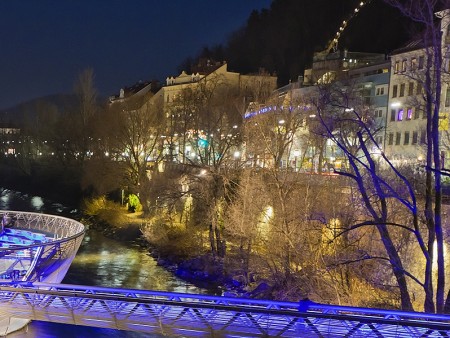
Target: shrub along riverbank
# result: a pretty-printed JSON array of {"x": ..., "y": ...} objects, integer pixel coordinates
[
  {"x": 249, "y": 259},
  {"x": 202, "y": 270}
]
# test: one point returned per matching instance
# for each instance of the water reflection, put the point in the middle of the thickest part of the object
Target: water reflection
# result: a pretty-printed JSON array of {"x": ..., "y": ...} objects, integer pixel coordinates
[
  {"x": 106, "y": 262},
  {"x": 13, "y": 200},
  {"x": 37, "y": 202},
  {"x": 55, "y": 330},
  {"x": 100, "y": 261}
]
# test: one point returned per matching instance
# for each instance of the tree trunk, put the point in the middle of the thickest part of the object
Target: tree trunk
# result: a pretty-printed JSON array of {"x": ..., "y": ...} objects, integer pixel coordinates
[
  {"x": 212, "y": 241},
  {"x": 397, "y": 268},
  {"x": 440, "y": 289},
  {"x": 220, "y": 244},
  {"x": 447, "y": 303}
]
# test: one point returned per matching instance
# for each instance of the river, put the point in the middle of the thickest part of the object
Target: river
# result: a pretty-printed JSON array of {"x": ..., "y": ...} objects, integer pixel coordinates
[{"x": 100, "y": 261}]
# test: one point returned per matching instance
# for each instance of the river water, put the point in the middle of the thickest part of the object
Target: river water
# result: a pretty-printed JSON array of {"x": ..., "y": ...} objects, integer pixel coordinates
[{"x": 100, "y": 261}]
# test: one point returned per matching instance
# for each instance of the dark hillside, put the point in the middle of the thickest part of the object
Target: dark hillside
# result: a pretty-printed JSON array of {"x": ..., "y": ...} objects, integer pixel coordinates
[
  {"x": 27, "y": 112},
  {"x": 283, "y": 39}
]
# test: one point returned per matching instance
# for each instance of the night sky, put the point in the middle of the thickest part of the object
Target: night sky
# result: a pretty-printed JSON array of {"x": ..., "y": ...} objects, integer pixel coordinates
[{"x": 45, "y": 44}]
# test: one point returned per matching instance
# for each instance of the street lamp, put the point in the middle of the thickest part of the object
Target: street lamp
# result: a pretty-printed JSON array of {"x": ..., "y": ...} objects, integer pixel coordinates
[
  {"x": 237, "y": 155},
  {"x": 296, "y": 154}
]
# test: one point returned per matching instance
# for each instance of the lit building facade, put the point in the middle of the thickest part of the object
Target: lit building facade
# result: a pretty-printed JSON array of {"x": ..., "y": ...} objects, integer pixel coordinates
[
  {"x": 367, "y": 74},
  {"x": 183, "y": 143},
  {"x": 407, "y": 121}
]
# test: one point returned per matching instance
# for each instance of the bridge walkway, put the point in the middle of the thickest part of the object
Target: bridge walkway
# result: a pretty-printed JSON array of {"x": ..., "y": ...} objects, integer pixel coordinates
[{"x": 190, "y": 315}]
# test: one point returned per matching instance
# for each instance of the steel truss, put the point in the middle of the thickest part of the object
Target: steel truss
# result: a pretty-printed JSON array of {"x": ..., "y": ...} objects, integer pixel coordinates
[
  {"x": 37, "y": 247},
  {"x": 193, "y": 315}
]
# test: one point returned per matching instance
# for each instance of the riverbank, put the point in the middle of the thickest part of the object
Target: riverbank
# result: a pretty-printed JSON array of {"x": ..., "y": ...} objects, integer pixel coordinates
[
  {"x": 114, "y": 221},
  {"x": 204, "y": 271}
]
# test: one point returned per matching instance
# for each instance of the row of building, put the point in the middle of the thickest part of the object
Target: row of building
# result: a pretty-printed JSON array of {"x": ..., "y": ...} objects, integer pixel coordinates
[{"x": 390, "y": 86}]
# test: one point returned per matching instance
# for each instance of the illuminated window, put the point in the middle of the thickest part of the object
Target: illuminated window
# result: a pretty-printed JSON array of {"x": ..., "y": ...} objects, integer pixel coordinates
[
  {"x": 409, "y": 113},
  {"x": 400, "y": 115},
  {"x": 413, "y": 64},
  {"x": 397, "y": 67},
  {"x": 404, "y": 66}
]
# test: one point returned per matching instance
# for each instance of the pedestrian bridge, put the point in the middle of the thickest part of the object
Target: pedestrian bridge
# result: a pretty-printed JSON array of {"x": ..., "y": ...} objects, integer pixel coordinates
[{"x": 191, "y": 315}]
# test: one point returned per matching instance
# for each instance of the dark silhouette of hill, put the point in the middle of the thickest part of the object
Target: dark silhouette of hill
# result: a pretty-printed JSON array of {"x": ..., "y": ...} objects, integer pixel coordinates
[
  {"x": 52, "y": 106},
  {"x": 28, "y": 111},
  {"x": 283, "y": 39}
]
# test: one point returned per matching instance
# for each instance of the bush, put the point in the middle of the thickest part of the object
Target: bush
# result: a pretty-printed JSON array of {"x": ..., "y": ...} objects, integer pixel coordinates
[
  {"x": 105, "y": 210},
  {"x": 171, "y": 239},
  {"x": 93, "y": 206},
  {"x": 134, "y": 205}
]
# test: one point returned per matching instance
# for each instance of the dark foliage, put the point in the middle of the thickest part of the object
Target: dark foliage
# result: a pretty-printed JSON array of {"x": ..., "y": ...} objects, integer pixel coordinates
[{"x": 283, "y": 39}]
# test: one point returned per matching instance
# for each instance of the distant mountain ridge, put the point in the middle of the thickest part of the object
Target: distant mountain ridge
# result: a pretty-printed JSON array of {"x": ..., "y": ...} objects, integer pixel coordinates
[{"x": 26, "y": 112}]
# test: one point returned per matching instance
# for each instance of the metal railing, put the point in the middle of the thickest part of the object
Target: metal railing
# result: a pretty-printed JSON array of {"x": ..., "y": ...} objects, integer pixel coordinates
[
  {"x": 44, "y": 256},
  {"x": 192, "y": 315}
]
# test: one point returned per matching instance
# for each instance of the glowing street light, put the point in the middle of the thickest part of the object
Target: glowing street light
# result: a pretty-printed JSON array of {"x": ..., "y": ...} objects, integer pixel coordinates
[
  {"x": 237, "y": 156},
  {"x": 296, "y": 155}
]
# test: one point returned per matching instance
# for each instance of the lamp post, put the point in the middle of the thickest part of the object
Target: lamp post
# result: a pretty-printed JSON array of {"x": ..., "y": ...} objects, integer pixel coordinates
[
  {"x": 237, "y": 155},
  {"x": 296, "y": 155}
]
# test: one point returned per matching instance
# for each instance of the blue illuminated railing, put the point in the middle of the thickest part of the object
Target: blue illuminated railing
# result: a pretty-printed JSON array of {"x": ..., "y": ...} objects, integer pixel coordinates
[
  {"x": 192, "y": 315},
  {"x": 37, "y": 247}
]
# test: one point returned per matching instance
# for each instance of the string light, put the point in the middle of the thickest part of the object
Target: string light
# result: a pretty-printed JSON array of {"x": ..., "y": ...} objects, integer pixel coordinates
[{"x": 334, "y": 42}]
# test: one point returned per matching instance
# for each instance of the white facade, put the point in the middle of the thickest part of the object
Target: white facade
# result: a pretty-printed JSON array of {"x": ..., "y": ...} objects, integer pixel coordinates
[{"x": 407, "y": 120}]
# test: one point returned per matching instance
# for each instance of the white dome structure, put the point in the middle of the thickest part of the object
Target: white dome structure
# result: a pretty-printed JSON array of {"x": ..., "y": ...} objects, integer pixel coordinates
[{"x": 37, "y": 247}]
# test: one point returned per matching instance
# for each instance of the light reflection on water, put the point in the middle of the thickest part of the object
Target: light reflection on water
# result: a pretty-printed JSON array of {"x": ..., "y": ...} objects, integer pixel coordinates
[
  {"x": 12, "y": 200},
  {"x": 37, "y": 202},
  {"x": 55, "y": 330},
  {"x": 106, "y": 262},
  {"x": 100, "y": 261}
]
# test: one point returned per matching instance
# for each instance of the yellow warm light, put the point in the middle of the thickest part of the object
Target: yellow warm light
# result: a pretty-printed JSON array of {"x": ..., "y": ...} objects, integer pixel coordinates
[
  {"x": 435, "y": 253},
  {"x": 265, "y": 218},
  {"x": 335, "y": 222},
  {"x": 267, "y": 214}
]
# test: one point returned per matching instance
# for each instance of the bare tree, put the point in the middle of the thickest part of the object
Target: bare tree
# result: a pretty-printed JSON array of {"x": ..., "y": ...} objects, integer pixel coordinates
[
  {"x": 375, "y": 190},
  {"x": 382, "y": 189},
  {"x": 270, "y": 136},
  {"x": 270, "y": 143},
  {"x": 70, "y": 132},
  {"x": 423, "y": 12},
  {"x": 133, "y": 132},
  {"x": 204, "y": 134},
  {"x": 87, "y": 97}
]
